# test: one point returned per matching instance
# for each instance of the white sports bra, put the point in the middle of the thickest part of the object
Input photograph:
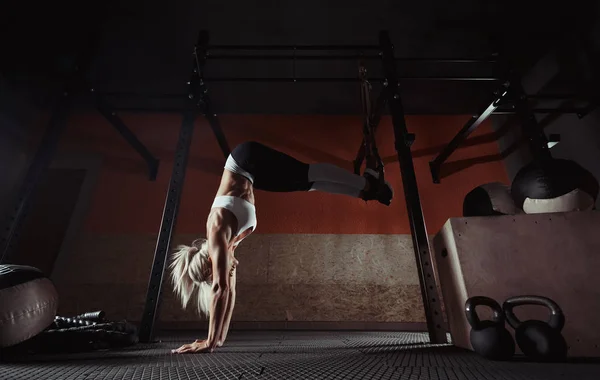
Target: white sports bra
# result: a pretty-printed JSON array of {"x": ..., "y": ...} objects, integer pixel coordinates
[{"x": 244, "y": 212}]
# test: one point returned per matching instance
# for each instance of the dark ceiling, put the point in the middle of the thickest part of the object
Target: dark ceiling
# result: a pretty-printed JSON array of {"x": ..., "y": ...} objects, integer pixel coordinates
[{"x": 145, "y": 46}]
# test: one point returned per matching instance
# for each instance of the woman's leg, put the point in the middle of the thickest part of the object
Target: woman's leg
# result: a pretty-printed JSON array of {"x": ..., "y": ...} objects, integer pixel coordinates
[
  {"x": 275, "y": 171},
  {"x": 336, "y": 188},
  {"x": 324, "y": 172},
  {"x": 270, "y": 169},
  {"x": 332, "y": 179}
]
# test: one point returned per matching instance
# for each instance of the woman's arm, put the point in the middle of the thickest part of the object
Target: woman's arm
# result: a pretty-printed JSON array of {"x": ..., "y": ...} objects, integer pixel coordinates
[
  {"x": 230, "y": 306},
  {"x": 218, "y": 239},
  {"x": 221, "y": 288}
]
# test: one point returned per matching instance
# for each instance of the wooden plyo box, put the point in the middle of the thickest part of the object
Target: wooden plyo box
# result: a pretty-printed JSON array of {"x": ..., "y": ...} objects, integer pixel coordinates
[{"x": 552, "y": 255}]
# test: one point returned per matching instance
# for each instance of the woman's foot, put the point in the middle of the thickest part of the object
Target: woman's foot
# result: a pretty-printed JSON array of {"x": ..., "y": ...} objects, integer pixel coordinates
[{"x": 375, "y": 190}]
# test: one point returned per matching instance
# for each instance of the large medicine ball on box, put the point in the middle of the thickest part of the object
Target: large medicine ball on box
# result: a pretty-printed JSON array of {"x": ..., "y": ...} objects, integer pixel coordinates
[
  {"x": 555, "y": 185},
  {"x": 28, "y": 303},
  {"x": 489, "y": 199}
]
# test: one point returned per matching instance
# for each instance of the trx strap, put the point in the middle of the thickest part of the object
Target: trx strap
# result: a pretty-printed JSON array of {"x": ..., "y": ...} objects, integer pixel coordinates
[{"x": 371, "y": 117}]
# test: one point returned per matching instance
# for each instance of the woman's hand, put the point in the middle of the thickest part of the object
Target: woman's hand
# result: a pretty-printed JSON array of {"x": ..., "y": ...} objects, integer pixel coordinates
[{"x": 198, "y": 347}]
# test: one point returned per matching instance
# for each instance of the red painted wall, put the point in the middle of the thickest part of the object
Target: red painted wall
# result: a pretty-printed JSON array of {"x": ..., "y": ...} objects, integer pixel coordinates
[{"x": 126, "y": 202}]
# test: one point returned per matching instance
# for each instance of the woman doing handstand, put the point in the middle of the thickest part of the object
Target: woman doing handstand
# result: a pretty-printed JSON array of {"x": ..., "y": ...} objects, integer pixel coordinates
[{"x": 206, "y": 270}]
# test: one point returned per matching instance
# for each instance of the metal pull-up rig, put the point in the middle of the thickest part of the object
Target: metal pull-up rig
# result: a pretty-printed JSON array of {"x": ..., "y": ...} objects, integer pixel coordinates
[{"x": 198, "y": 102}]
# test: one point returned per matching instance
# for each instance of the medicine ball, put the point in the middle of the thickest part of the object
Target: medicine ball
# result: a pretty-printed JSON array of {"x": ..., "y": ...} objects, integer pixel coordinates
[
  {"x": 489, "y": 199},
  {"x": 28, "y": 303},
  {"x": 556, "y": 185}
]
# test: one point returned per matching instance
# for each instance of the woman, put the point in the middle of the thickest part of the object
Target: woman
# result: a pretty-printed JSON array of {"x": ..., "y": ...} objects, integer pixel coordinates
[{"x": 207, "y": 268}]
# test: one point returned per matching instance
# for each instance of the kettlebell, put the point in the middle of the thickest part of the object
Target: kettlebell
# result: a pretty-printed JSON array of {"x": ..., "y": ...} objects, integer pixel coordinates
[
  {"x": 489, "y": 338},
  {"x": 538, "y": 340}
]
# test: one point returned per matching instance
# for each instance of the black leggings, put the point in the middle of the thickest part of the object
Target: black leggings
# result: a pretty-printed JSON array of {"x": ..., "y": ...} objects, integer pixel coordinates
[{"x": 272, "y": 170}]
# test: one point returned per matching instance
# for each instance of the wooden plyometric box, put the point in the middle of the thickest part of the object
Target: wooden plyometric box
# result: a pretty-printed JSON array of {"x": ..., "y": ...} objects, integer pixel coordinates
[{"x": 552, "y": 255}]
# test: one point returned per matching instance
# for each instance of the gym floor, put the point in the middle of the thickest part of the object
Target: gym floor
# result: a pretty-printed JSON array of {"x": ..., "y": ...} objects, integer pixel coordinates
[{"x": 291, "y": 355}]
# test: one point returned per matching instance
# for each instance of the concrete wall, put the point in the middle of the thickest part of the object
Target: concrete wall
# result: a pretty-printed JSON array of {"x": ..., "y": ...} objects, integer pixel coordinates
[
  {"x": 315, "y": 258},
  {"x": 281, "y": 278}
]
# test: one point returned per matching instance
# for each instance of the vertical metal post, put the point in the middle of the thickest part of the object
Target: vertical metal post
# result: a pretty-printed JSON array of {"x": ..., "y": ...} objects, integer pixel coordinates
[
  {"x": 404, "y": 140},
  {"x": 39, "y": 166},
  {"x": 536, "y": 138},
  {"x": 151, "y": 309},
  {"x": 205, "y": 102},
  {"x": 48, "y": 145}
]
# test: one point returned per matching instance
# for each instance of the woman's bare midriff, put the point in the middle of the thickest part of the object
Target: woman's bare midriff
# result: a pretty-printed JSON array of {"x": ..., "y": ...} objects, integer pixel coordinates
[{"x": 237, "y": 186}]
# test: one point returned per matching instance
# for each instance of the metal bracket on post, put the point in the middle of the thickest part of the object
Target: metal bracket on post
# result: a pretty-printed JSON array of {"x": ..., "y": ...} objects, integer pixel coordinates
[
  {"x": 503, "y": 94},
  {"x": 427, "y": 279},
  {"x": 586, "y": 110},
  {"x": 129, "y": 136},
  {"x": 215, "y": 125},
  {"x": 167, "y": 226},
  {"x": 204, "y": 99},
  {"x": 536, "y": 138}
]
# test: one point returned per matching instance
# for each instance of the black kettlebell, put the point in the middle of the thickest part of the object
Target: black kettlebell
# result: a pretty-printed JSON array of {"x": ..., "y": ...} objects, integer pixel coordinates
[
  {"x": 490, "y": 338},
  {"x": 538, "y": 340}
]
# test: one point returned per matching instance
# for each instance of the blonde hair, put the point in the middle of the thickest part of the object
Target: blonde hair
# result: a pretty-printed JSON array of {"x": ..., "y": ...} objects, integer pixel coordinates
[{"x": 191, "y": 273}]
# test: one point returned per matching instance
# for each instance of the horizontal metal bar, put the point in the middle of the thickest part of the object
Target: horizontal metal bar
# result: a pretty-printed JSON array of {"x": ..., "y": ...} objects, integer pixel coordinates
[
  {"x": 288, "y": 57},
  {"x": 557, "y": 97},
  {"x": 558, "y": 110},
  {"x": 150, "y": 109},
  {"x": 293, "y": 47},
  {"x": 350, "y": 80},
  {"x": 181, "y": 96},
  {"x": 158, "y": 95},
  {"x": 136, "y": 94},
  {"x": 172, "y": 110},
  {"x": 423, "y": 112},
  {"x": 497, "y": 112},
  {"x": 341, "y": 57},
  {"x": 446, "y": 60}
]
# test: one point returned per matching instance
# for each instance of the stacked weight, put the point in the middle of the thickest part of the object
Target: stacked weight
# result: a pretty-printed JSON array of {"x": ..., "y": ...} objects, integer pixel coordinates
[{"x": 538, "y": 340}]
